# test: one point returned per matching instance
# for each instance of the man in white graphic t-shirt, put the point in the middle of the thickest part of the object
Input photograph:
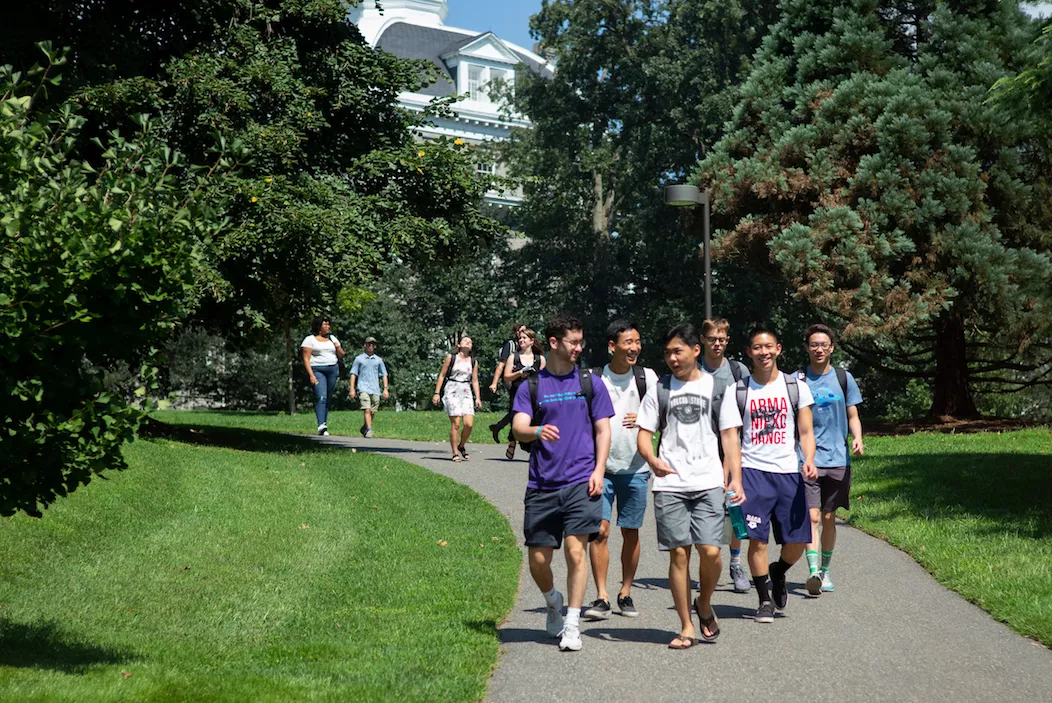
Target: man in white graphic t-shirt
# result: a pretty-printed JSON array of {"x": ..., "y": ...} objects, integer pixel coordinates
[
  {"x": 626, "y": 472},
  {"x": 776, "y": 419},
  {"x": 689, "y": 478}
]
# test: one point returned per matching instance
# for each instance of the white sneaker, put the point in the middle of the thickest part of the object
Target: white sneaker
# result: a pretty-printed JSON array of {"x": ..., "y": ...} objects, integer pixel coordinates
[
  {"x": 323, "y": 429},
  {"x": 554, "y": 625},
  {"x": 368, "y": 434},
  {"x": 571, "y": 641}
]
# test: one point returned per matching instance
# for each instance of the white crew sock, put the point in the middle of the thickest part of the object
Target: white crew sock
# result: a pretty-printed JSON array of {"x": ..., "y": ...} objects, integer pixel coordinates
[{"x": 573, "y": 617}]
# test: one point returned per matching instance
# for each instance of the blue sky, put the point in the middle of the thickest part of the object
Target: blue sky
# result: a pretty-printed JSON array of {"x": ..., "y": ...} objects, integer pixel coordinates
[{"x": 508, "y": 19}]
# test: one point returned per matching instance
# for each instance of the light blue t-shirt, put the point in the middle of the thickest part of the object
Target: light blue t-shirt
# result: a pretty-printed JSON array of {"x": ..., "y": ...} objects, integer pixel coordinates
[
  {"x": 368, "y": 369},
  {"x": 830, "y": 416}
]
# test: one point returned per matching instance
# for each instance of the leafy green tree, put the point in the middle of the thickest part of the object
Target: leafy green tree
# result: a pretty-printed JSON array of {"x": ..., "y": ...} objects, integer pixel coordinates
[
  {"x": 338, "y": 185},
  {"x": 864, "y": 166},
  {"x": 98, "y": 263},
  {"x": 640, "y": 89}
]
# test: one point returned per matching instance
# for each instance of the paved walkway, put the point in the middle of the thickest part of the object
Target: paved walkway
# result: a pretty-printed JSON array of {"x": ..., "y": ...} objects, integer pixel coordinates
[{"x": 889, "y": 632}]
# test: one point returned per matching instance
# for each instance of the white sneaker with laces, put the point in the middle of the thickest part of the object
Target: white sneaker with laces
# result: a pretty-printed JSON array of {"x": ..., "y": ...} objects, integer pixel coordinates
[
  {"x": 554, "y": 625},
  {"x": 827, "y": 583},
  {"x": 571, "y": 641}
]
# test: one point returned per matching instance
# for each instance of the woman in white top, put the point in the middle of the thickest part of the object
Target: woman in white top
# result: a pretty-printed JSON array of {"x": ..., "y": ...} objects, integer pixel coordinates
[
  {"x": 456, "y": 381},
  {"x": 321, "y": 357},
  {"x": 526, "y": 360}
]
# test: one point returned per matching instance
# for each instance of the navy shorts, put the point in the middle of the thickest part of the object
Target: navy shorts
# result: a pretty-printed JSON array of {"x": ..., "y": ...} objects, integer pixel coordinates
[
  {"x": 551, "y": 515},
  {"x": 779, "y": 500}
]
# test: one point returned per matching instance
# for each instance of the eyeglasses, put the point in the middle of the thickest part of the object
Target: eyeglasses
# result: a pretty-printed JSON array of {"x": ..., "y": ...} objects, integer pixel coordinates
[
  {"x": 717, "y": 340},
  {"x": 572, "y": 344},
  {"x": 819, "y": 345}
]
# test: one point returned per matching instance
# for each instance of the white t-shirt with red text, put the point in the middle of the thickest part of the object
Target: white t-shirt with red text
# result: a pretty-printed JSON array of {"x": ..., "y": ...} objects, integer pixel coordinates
[{"x": 769, "y": 426}]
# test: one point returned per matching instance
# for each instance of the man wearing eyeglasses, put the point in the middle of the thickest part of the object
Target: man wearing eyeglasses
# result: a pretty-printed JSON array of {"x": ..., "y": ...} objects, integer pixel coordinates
[
  {"x": 835, "y": 414},
  {"x": 715, "y": 335},
  {"x": 565, "y": 412}
]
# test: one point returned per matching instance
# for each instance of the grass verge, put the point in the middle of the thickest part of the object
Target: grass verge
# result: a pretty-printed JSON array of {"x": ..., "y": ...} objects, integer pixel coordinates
[
  {"x": 429, "y": 426},
  {"x": 264, "y": 568},
  {"x": 974, "y": 510}
]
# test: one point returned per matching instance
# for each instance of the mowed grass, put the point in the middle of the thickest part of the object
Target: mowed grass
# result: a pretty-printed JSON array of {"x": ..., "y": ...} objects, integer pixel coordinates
[
  {"x": 263, "y": 568},
  {"x": 974, "y": 510},
  {"x": 428, "y": 426}
]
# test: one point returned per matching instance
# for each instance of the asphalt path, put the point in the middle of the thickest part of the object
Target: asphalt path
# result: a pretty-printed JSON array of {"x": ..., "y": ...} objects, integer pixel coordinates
[{"x": 889, "y": 632}]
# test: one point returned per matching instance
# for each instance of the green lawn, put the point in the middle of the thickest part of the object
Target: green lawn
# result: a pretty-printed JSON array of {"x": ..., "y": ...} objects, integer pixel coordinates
[
  {"x": 432, "y": 426},
  {"x": 974, "y": 510},
  {"x": 259, "y": 568}
]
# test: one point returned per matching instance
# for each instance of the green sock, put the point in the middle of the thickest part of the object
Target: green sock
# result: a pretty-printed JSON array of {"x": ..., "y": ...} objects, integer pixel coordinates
[
  {"x": 826, "y": 558},
  {"x": 812, "y": 561}
]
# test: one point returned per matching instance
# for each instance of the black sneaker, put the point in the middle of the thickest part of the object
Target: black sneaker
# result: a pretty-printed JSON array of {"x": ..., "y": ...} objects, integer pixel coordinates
[
  {"x": 627, "y": 607},
  {"x": 598, "y": 610},
  {"x": 362, "y": 430},
  {"x": 765, "y": 613},
  {"x": 495, "y": 431},
  {"x": 779, "y": 592}
]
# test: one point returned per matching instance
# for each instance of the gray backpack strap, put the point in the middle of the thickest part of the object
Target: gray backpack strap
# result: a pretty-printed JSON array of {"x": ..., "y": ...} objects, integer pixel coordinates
[
  {"x": 664, "y": 387},
  {"x": 793, "y": 387},
  {"x": 718, "y": 391}
]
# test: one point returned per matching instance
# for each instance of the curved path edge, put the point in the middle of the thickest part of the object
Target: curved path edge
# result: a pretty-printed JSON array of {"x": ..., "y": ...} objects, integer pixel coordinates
[{"x": 889, "y": 632}]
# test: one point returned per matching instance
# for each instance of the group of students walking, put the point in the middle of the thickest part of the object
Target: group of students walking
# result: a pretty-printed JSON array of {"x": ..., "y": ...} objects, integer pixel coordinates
[{"x": 773, "y": 443}]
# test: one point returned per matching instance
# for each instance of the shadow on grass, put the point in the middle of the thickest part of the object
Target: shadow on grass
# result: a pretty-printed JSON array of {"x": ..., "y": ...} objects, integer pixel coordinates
[
  {"x": 44, "y": 646},
  {"x": 1012, "y": 489}
]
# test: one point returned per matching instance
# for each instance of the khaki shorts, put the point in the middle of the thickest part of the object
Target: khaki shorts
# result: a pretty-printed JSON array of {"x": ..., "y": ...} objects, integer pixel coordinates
[{"x": 369, "y": 401}]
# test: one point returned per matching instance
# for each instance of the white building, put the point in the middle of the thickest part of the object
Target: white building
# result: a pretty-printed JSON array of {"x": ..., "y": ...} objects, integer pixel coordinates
[{"x": 467, "y": 62}]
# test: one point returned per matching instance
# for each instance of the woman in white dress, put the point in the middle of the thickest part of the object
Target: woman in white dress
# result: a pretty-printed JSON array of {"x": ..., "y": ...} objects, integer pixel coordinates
[{"x": 457, "y": 380}]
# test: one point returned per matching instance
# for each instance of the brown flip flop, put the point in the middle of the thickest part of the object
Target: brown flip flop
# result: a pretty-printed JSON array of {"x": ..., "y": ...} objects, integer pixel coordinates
[
  {"x": 690, "y": 642},
  {"x": 711, "y": 623}
]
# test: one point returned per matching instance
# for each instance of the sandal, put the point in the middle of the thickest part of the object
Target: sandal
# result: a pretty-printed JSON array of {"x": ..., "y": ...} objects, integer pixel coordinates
[
  {"x": 511, "y": 451},
  {"x": 456, "y": 458},
  {"x": 690, "y": 642},
  {"x": 463, "y": 452},
  {"x": 711, "y": 623}
]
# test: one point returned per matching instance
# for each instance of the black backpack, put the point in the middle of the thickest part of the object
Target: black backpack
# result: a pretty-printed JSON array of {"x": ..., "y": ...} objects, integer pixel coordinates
[{"x": 449, "y": 372}]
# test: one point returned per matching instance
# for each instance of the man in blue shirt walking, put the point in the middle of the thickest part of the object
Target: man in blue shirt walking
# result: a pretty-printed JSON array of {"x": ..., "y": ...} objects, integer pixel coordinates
[
  {"x": 835, "y": 415},
  {"x": 366, "y": 372}
]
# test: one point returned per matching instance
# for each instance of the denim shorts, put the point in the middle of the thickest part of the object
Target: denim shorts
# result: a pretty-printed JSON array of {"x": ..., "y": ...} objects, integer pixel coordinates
[{"x": 630, "y": 493}]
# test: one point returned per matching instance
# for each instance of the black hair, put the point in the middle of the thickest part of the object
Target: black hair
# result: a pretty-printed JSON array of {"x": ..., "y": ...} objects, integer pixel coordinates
[
  {"x": 317, "y": 322},
  {"x": 559, "y": 325},
  {"x": 761, "y": 329},
  {"x": 685, "y": 331},
  {"x": 617, "y": 328},
  {"x": 819, "y": 328}
]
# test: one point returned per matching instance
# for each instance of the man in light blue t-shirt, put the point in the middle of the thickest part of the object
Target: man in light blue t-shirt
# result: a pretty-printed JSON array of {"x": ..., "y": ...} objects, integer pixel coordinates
[
  {"x": 366, "y": 373},
  {"x": 835, "y": 414}
]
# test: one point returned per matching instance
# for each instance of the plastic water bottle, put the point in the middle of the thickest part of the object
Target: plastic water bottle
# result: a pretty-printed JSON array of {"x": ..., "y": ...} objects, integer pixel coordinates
[{"x": 737, "y": 518}]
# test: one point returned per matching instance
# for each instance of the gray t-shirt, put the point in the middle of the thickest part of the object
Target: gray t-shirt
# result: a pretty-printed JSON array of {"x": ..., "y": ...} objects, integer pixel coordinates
[{"x": 723, "y": 375}]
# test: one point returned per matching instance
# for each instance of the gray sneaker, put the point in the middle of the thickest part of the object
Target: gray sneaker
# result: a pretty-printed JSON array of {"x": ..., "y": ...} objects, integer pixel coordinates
[
  {"x": 814, "y": 584},
  {"x": 741, "y": 583},
  {"x": 765, "y": 613},
  {"x": 627, "y": 607},
  {"x": 598, "y": 610},
  {"x": 554, "y": 624}
]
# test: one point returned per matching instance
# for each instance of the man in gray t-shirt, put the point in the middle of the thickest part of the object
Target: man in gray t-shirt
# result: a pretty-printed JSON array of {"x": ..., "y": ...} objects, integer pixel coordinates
[{"x": 715, "y": 334}]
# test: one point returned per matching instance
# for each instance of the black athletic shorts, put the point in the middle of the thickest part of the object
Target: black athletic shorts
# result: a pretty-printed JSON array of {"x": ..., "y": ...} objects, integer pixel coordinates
[{"x": 550, "y": 515}]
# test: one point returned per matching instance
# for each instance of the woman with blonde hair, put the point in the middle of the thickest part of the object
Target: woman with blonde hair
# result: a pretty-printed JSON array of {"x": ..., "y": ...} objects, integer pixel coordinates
[{"x": 457, "y": 380}]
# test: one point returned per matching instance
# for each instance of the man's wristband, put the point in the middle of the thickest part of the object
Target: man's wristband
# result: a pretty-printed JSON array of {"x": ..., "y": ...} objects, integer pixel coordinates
[{"x": 539, "y": 430}]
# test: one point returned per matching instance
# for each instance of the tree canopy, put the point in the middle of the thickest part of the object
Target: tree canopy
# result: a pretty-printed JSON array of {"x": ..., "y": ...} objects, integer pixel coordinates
[{"x": 865, "y": 165}]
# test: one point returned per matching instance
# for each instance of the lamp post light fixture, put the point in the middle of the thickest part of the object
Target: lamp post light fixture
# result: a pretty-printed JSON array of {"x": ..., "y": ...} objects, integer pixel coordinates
[{"x": 689, "y": 196}]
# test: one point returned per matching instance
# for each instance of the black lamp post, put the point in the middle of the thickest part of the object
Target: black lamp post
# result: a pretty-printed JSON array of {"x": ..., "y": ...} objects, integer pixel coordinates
[{"x": 689, "y": 196}]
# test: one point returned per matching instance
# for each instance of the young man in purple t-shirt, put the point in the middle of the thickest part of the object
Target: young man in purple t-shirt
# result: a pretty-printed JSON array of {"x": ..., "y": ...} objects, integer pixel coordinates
[{"x": 571, "y": 438}]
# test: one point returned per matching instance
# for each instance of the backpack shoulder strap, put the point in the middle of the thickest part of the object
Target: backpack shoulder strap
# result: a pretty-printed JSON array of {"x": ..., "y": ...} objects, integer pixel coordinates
[
  {"x": 718, "y": 391},
  {"x": 736, "y": 370},
  {"x": 586, "y": 378},
  {"x": 793, "y": 387},
  {"x": 641, "y": 380},
  {"x": 663, "y": 389},
  {"x": 741, "y": 392},
  {"x": 841, "y": 377},
  {"x": 532, "y": 382}
]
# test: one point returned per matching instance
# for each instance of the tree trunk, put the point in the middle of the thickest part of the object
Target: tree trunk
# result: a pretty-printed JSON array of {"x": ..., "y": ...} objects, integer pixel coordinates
[
  {"x": 291, "y": 352},
  {"x": 953, "y": 397}
]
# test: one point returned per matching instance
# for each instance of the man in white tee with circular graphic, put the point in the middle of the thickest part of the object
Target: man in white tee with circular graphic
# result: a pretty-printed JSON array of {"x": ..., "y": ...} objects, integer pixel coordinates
[
  {"x": 627, "y": 473},
  {"x": 689, "y": 478},
  {"x": 776, "y": 418}
]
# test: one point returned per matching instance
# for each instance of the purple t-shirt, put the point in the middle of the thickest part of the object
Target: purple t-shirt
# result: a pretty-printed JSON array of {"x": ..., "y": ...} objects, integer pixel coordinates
[{"x": 571, "y": 459}]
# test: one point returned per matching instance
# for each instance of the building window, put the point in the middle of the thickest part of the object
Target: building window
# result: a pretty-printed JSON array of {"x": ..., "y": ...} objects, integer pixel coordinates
[
  {"x": 475, "y": 82},
  {"x": 484, "y": 169}
]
